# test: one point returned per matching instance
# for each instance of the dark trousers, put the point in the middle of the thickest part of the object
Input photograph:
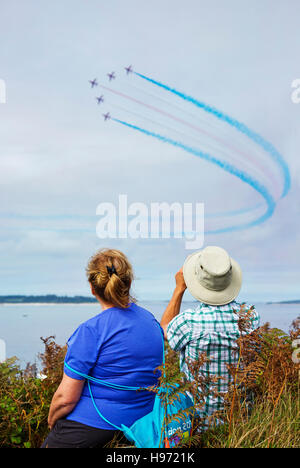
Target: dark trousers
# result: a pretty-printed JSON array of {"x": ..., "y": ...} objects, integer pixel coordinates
[{"x": 72, "y": 434}]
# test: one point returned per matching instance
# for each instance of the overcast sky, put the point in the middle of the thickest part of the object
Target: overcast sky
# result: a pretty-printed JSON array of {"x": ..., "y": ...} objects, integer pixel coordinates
[{"x": 59, "y": 160}]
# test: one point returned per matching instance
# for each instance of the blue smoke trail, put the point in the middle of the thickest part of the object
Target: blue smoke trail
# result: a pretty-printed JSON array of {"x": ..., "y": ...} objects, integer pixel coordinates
[
  {"x": 242, "y": 211},
  {"x": 256, "y": 185},
  {"x": 268, "y": 147}
]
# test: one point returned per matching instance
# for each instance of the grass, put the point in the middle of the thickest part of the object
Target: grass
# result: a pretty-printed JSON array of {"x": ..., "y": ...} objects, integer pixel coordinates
[{"x": 265, "y": 427}]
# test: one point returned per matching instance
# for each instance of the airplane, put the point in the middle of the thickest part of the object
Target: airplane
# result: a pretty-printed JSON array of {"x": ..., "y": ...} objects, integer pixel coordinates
[
  {"x": 93, "y": 82},
  {"x": 128, "y": 69},
  {"x": 106, "y": 116},
  {"x": 111, "y": 76},
  {"x": 100, "y": 99}
]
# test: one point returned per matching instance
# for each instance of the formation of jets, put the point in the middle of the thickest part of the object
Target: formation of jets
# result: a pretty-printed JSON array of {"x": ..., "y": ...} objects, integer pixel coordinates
[
  {"x": 111, "y": 76},
  {"x": 100, "y": 99},
  {"x": 106, "y": 116},
  {"x": 93, "y": 82},
  {"x": 128, "y": 69}
]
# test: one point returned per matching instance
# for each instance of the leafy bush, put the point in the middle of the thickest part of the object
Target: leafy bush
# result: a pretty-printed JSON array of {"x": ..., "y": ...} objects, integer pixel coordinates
[
  {"x": 25, "y": 399},
  {"x": 261, "y": 408}
]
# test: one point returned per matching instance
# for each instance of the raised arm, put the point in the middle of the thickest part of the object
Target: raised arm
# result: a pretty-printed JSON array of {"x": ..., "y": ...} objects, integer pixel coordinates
[{"x": 173, "y": 307}]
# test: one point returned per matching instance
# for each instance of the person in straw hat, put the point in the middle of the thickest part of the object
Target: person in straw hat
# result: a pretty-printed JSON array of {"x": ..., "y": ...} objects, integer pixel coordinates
[{"x": 214, "y": 279}]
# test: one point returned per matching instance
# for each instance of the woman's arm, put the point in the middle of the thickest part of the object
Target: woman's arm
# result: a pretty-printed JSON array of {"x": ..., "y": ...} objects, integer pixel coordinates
[
  {"x": 64, "y": 399},
  {"x": 173, "y": 307}
]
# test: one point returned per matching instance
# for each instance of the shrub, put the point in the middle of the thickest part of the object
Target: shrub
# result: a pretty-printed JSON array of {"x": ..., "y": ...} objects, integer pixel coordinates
[
  {"x": 261, "y": 408},
  {"x": 25, "y": 399}
]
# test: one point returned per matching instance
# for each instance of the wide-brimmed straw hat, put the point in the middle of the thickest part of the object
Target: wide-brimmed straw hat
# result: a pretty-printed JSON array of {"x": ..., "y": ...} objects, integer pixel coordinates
[{"x": 212, "y": 276}]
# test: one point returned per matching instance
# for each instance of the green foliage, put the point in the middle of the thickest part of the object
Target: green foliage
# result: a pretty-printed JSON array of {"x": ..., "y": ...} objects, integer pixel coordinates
[
  {"x": 25, "y": 399},
  {"x": 266, "y": 370},
  {"x": 262, "y": 406}
]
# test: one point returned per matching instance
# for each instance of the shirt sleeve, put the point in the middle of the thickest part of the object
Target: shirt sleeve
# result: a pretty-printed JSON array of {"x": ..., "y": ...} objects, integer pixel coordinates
[
  {"x": 82, "y": 353},
  {"x": 178, "y": 332},
  {"x": 255, "y": 319}
]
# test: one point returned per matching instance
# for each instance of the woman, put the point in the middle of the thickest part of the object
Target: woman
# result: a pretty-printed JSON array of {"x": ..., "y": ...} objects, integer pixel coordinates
[{"x": 122, "y": 345}]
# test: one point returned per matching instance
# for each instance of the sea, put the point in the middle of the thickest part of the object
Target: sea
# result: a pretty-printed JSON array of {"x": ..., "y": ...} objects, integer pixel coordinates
[{"x": 22, "y": 325}]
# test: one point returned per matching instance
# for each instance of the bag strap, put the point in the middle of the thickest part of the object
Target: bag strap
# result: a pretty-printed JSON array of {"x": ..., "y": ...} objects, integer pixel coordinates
[
  {"x": 102, "y": 382},
  {"x": 98, "y": 411},
  {"x": 89, "y": 379}
]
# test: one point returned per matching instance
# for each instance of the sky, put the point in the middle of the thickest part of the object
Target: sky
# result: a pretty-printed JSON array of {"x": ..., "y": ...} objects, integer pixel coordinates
[{"x": 59, "y": 160}]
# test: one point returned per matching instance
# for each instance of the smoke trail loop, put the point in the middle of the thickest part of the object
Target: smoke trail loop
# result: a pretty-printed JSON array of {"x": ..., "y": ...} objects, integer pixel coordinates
[
  {"x": 256, "y": 185},
  {"x": 239, "y": 126}
]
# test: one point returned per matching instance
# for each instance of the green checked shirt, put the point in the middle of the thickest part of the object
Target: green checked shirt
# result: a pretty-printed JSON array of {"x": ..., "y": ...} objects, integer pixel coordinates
[{"x": 212, "y": 330}]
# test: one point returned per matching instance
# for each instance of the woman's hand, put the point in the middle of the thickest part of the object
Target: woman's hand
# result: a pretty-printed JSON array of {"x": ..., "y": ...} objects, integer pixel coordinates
[
  {"x": 180, "y": 283},
  {"x": 50, "y": 424}
]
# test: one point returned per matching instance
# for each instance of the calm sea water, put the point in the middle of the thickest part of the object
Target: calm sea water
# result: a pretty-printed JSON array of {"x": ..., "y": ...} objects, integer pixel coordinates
[{"x": 21, "y": 326}]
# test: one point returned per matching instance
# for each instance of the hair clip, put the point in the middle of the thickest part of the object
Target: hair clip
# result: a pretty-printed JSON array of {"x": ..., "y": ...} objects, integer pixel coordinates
[{"x": 111, "y": 270}]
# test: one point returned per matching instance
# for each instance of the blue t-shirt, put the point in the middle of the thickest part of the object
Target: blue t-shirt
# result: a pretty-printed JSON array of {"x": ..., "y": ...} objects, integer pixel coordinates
[{"x": 121, "y": 346}]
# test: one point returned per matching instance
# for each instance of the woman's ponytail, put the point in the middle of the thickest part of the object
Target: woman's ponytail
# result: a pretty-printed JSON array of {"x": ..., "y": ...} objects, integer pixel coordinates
[{"x": 111, "y": 275}]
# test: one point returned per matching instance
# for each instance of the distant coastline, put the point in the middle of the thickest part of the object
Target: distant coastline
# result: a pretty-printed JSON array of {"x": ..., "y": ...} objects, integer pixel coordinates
[
  {"x": 295, "y": 301},
  {"x": 47, "y": 299},
  {"x": 54, "y": 299}
]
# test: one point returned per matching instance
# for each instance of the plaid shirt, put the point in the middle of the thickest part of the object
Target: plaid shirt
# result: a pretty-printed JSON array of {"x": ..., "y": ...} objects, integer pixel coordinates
[{"x": 212, "y": 330}]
